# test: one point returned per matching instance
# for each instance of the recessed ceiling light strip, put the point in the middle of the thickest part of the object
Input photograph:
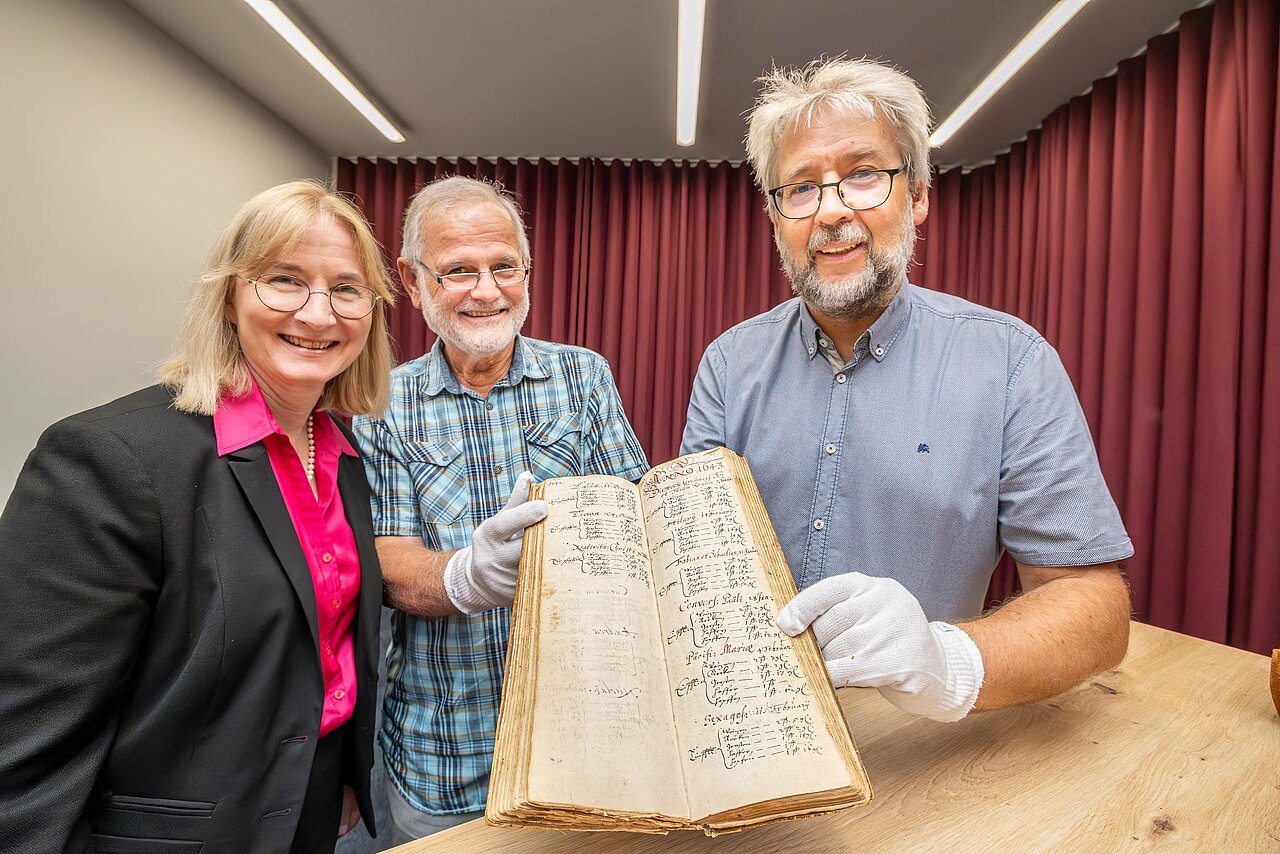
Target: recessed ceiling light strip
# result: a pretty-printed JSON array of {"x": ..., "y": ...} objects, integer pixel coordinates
[
  {"x": 1031, "y": 43},
  {"x": 692, "y": 14},
  {"x": 298, "y": 40}
]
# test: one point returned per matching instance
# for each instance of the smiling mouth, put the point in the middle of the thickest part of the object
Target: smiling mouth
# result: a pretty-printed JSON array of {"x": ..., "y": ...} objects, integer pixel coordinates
[
  {"x": 308, "y": 345},
  {"x": 482, "y": 314},
  {"x": 838, "y": 248}
]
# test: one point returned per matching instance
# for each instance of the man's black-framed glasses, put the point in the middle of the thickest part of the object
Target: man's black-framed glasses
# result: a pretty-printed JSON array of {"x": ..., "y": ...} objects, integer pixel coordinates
[
  {"x": 502, "y": 276},
  {"x": 861, "y": 191},
  {"x": 282, "y": 292}
]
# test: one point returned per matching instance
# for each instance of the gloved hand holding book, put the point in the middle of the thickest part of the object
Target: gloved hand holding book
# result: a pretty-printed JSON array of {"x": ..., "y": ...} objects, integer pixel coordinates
[
  {"x": 483, "y": 575},
  {"x": 874, "y": 634}
]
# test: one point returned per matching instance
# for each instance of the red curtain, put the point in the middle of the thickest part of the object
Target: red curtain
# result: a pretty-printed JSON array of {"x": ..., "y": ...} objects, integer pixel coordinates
[
  {"x": 1136, "y": 230},
  {"x": 644, "y": 263}
]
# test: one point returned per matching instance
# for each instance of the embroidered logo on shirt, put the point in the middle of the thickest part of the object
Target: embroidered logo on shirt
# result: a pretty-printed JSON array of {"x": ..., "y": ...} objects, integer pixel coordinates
[{"x": 922, "y": 448}]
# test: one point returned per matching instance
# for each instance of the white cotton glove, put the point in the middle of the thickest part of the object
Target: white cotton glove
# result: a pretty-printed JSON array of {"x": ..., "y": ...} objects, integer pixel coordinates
[
  {"x": 483, "y": 575},
  {"x": 874, "y": 634}
]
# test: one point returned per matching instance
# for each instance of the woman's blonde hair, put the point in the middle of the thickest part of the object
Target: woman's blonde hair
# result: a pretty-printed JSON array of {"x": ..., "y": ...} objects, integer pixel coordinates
[{"x": 207, "y": 361}]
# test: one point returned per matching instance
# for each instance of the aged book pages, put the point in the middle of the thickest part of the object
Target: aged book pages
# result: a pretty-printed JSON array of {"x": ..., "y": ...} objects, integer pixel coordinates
[{"x": 647, "y": 687}]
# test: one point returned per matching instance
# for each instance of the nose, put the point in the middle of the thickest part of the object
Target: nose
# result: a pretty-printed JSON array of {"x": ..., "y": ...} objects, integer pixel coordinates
[
  {"x": 486, "y": 288},
  {"x": 831, "y": 209},
  {"x": 317, "y": 310}
]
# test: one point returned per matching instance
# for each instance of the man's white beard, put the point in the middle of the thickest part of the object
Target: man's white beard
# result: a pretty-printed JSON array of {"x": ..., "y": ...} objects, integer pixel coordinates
[
  {"x": 448, "y": 324},
  {"x": 858, "y": 295}
]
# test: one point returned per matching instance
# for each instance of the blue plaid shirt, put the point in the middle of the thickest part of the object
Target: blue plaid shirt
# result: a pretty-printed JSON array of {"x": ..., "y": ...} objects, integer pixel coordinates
[{"x": 441, "y": 460}]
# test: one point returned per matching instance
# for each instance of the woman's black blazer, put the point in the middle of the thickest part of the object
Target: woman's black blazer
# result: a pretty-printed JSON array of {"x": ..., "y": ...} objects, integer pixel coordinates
[{"x": 160, "y": 683}]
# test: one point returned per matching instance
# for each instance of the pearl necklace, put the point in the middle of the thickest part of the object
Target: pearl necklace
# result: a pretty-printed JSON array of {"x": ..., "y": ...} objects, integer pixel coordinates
[{"x": 311, "y": 450}]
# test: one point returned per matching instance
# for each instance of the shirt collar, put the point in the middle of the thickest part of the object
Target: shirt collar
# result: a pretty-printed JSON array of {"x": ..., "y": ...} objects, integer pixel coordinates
[
  {"x": 876, "y": 341},
  {"x": 439, "y": 377},
  {"x": 892, "y": 320},
  {"x": 242, "y": 420},
  {"x": 808, "y": 331}
]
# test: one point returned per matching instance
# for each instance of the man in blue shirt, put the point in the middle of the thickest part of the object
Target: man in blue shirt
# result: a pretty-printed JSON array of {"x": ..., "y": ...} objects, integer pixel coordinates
[
  {"x": 903, "y": 439},
  {"x": 484, "y": 405}
]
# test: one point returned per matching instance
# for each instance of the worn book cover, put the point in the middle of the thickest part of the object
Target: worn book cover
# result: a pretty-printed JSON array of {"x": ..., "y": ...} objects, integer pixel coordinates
[{"x": 647, "y": 687}]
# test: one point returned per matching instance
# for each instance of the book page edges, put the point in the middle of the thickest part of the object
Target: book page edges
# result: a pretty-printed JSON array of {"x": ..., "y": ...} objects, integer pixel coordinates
[
  {"x": 512, "y": 745},
  {"x": 551, "y": 816}
]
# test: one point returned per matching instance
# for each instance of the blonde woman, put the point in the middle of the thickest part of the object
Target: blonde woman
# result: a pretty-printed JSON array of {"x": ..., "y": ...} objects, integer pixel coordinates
[{"x": 192, "y": 591}]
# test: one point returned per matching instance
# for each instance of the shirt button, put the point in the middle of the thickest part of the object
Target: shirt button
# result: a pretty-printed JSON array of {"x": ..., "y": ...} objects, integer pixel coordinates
[
  {"x": 489, "y": 406},
  {"x": 336, "y": 604},
  {"x": 824, "y": 342},
  {"x": 840, "y": 378},
  {"x": 326, "y": 557},
  {"x": 879, "y": 351},
  {"x": 328, "y": 649},
  {"x": 497, "y": 469},
  {"x": 818, "y": 524},
  {"x": 831, "y": 449},
  {"x": 811, "y": 349},
  {"x": 339, "y": 694}
]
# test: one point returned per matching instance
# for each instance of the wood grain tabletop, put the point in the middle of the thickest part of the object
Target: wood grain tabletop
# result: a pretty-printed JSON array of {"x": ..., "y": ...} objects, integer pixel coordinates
[{"x": 1178, "y": 748}]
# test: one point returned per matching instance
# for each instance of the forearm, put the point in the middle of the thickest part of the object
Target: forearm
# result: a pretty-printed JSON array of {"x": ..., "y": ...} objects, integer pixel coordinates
[
  {"x": 478, "y": 578},
  {"x": 414, "y": 577},
  {"x": 1069, "y": 625}
]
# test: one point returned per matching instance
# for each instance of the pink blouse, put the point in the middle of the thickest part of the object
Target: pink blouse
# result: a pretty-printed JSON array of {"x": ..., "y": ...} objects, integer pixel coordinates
[{"x": 322, "y": 529}]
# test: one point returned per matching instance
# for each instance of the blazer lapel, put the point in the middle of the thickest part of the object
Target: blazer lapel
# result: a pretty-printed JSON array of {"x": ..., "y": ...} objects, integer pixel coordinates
[
  {"x": 252, "y": 469},
  {"x": 354, "y": 490}
]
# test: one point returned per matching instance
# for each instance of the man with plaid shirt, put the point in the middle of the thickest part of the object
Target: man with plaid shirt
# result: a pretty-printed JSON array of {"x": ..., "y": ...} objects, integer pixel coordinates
[{"x": 475, "y": 420}]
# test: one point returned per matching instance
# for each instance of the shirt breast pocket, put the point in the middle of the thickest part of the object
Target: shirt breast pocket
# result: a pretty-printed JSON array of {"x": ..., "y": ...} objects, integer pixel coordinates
[
  {"x": 439, "y": 474},
  {"x": 555, "y": 447}
]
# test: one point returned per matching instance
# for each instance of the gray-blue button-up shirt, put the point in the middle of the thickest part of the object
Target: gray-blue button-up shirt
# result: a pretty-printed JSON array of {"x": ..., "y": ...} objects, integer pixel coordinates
[{"x": 952, "y": 435}]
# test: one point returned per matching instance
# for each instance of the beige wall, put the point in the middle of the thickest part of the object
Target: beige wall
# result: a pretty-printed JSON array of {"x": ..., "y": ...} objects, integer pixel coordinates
[{"x": 122, "y": 156}]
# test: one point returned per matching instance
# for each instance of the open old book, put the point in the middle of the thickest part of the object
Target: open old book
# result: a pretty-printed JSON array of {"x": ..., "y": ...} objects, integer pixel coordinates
[{"x": 647, "y": 687}]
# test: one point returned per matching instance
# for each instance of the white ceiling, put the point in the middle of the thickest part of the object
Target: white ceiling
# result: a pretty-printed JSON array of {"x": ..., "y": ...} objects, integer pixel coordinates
[{"x": 575, "y": 78}]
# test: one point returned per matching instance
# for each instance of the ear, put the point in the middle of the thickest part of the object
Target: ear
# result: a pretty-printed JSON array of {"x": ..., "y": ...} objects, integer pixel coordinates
[
  {"x": 409, "y": 278},
  {"x": 229, "y": 306},
  {"x": 920, "y": 204}
]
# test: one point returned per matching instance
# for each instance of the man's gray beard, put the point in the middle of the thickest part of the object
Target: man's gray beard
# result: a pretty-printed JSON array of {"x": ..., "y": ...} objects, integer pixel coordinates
[
  {"x": 445, "y": 324},
  {"x": 860, "y": 294}
]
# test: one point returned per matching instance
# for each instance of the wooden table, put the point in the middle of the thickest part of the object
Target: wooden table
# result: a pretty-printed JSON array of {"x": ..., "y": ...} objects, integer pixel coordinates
[{"x": 1177, "y": 748}]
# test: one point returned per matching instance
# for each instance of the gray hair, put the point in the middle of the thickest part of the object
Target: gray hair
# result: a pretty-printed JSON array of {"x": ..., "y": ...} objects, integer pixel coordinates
[
  {"x": 791, "y": 97},
  {"x": 445, "y": 194}
]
